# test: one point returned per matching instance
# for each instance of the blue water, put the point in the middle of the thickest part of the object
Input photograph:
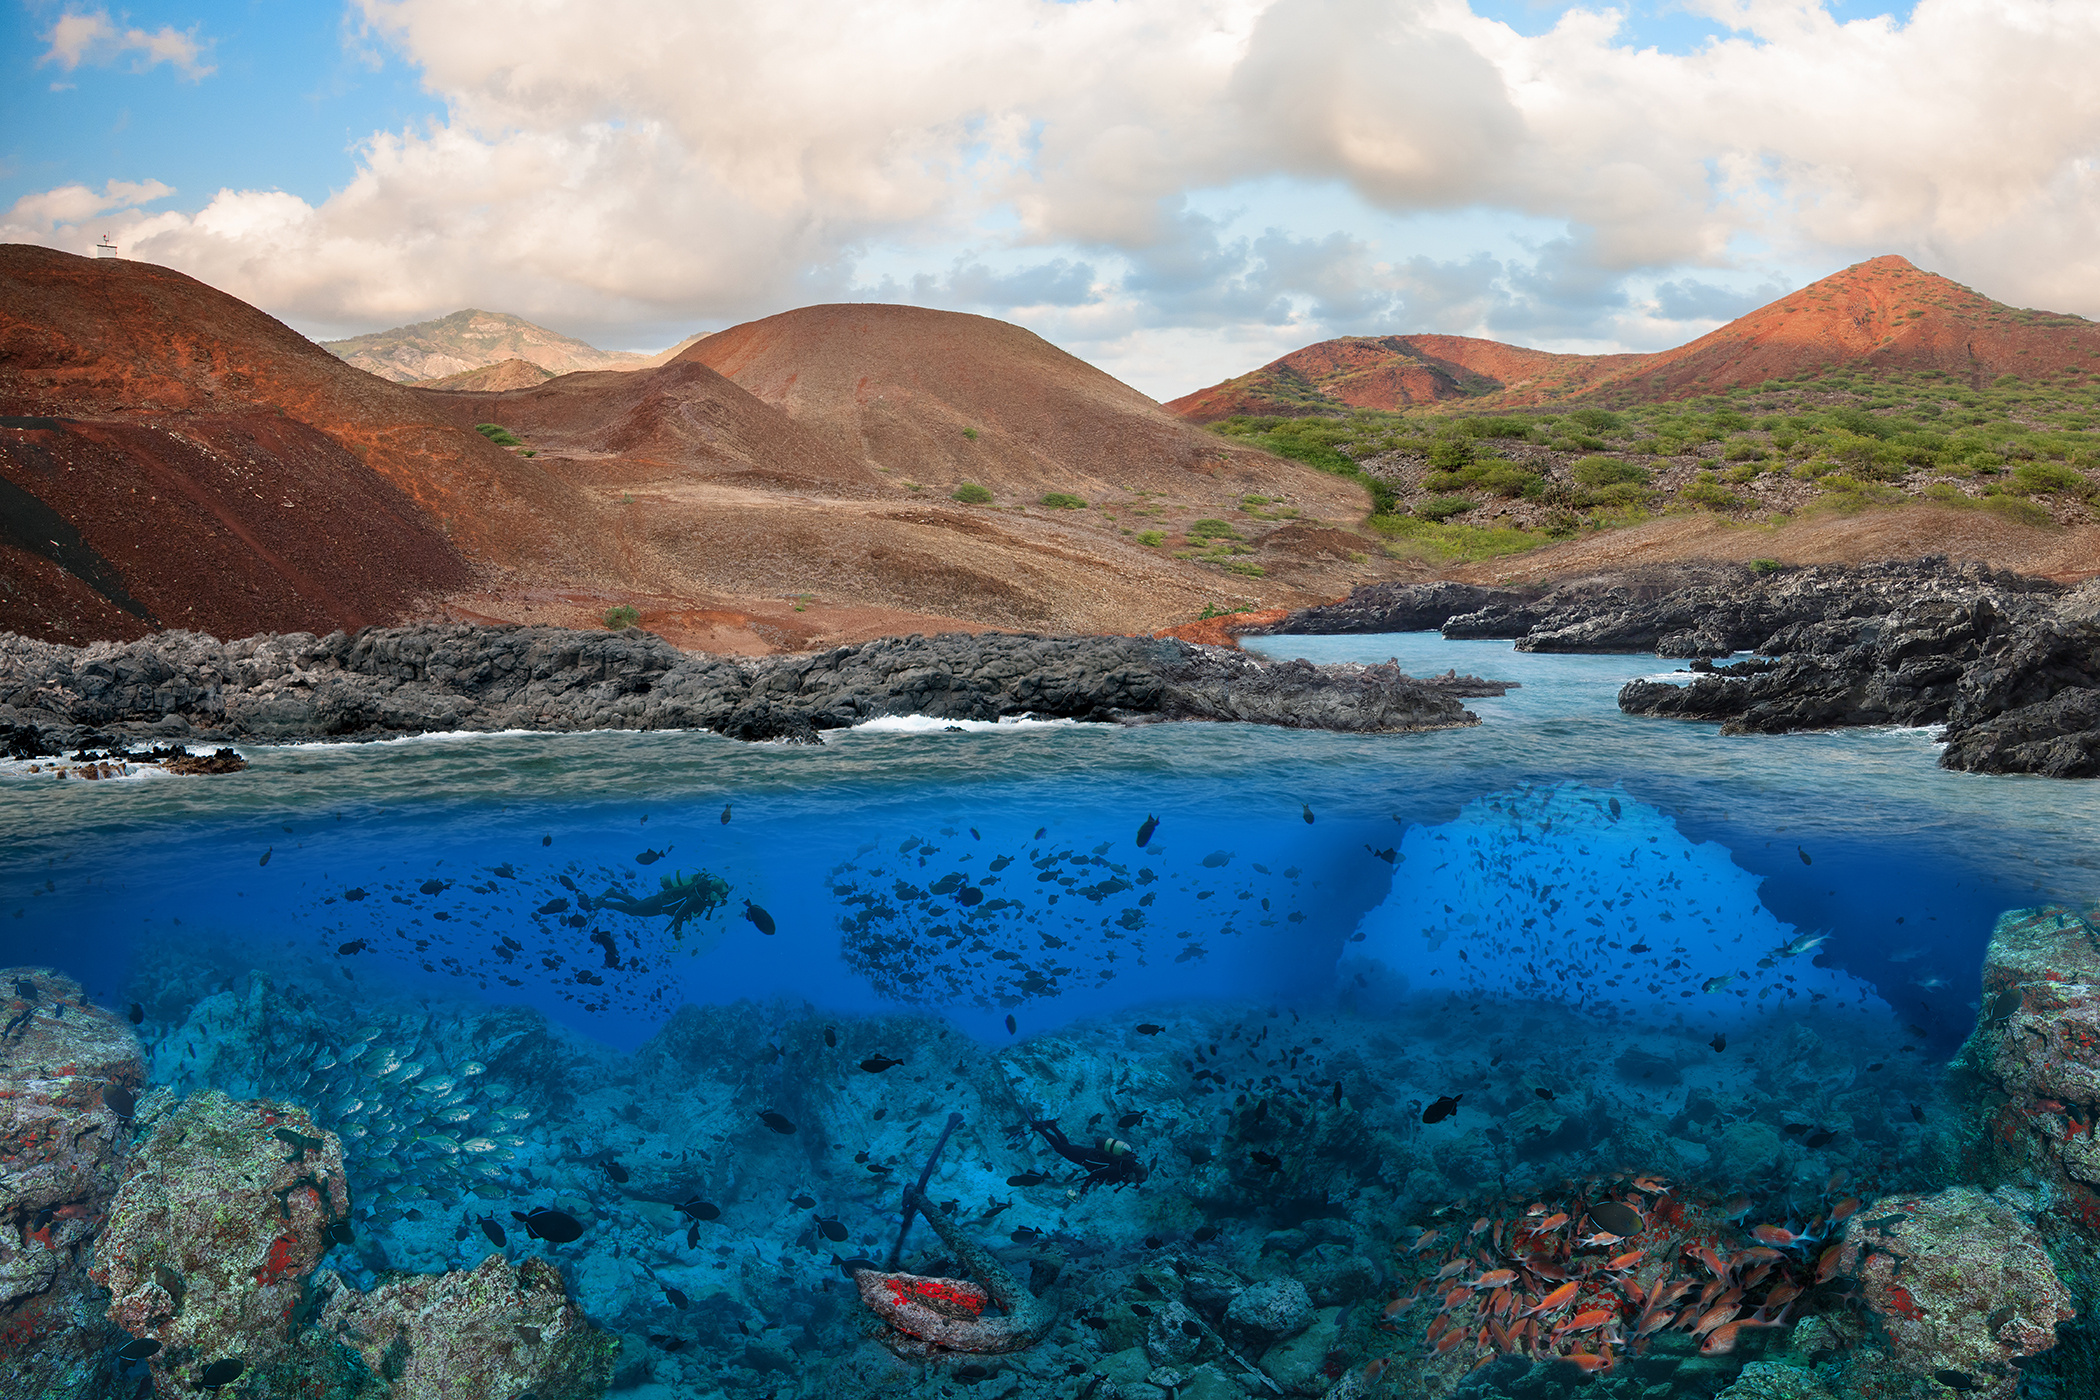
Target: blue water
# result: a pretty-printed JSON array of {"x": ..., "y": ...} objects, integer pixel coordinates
[{"x": 1856, "y": 834}]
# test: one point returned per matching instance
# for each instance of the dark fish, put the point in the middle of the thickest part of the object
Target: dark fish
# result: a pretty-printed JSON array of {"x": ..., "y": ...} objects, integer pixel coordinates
[
  {"x": 138, "y": 1350},
  {"x": 803, "y": 1201},
  {"x": 1027, "y": 1179},
  {"x": 1205, "y": 1235},
  {"x": 1546, "y": 1094},
  {"x": 1337, "y": 1093},
  {"x": 831, "y": 1229},
  {"x": 670, "y": 1343},
  {"x": 777, "y": 1123},
  {"x": 850, "y": 1267},
  {"x": 2005, "y": 1004},
  {"x": 1818, "y": 1139},
  {"x": 1191, "y": 1328},
  {"x": 692, "y": 1237},
  {"x": 1025, "y": 1235},
  {"x": 553, "y": 906},
  {"x": 1616, "y": 1219},
  {"x": 1719, "y": 1043},
  {"x": 138, "y": 1014},
  {"x": 1917, "y": 1114},
  {"x": 120, "y": 1101},
  {"x": 1041, "y": 831},
  {"x": 1615, "y": 809},
  {"x": 264, "y": 861},
  {"x": 1639, "y": 948},
  {"x": 1267, "y": 1161},
  {"x": 1308, "y": 814},
  {"x": 494, "y": 1231},
  {"x": 553, "y": 1226},
  {"x": 1151, "y": 824},
  {"x": 1141, "y": 1310},
  {"x": 222, "y": 1373},
  {"x": 972, "y": 1372},
  {"x": 677, "y": 1300},
  {"x": 651, "y": 857},
  {"x": 614, "y": 1170},
  {"x": 725, "y": 814},
  {"x": 546, "y": 840},
  {"x": 760, "y": 919},
  {"x": 1130, "y": 1120},
  {"x": 831, "y": 1038},
  {"x": 355, "y": 945},
  {"x": 1443, "y": 1108},
  {"x": 876, "y": 1064},
  {"x": 704, "y": 1210},
  {"x": 1013, "y": 1027},
  {"x": 1955, "y": 1380},
  {"x": 338, "y": 1232},
  {"x": 1147, "y": 1028},
  {"x": 1804, "y": 856},
  {"x": 969, "y": 896}
]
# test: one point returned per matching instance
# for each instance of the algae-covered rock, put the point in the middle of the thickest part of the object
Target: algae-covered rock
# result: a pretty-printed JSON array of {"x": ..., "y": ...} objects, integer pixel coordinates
[
  {"x": 214, "y": 1230},
  {"x": 1960, "y": 1282},
  {"x": 1768, "y": 1380},
  {"x": 1300, "y": 1364},
  {"x": 2038, "y": 1034},
  {"x": 1745, "y": 1151},
  {"x": 488, "y": 1334},
  {"x": 1268, "y": 1312},
  {"x": 69, "y": 1080}
]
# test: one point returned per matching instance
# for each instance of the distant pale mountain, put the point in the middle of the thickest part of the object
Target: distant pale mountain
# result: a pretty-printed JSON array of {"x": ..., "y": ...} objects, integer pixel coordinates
[
  {"x": 472, "y": 340},
  {"x": 1876, "y": 316},
  {"x": 509, "y": 374}
]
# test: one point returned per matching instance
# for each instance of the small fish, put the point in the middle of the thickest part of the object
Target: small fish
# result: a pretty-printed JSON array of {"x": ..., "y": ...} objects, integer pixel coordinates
[
  {"x": 1013, "y": 1027},
  {"x": 1956, "y": 1380},
  {"x": 1151, "y": 824},
  {"x": 614, "y": 1170},
  {"x": 137, "y": 1014},
  {"x": 831, "y": 1038},
  {"x": 1308, "y": 814},
  {"x": 222, "y": 1372},
  {"x": 1722, "y": 1338},
  {"x": 876, "y": 1064},
  {"x": 1714, "y": 984},
  {"x": 493, "y": 1230},
  {"x": 673, "y": 1296},
  {"x": 338, "y": 1232},
  {"x": 120, "y": 1101},
  {"x": 651, "y": 857},
  {"x": 1778, "y": 1236},
  {"x": 776, "y": 1122},
  {"x": 1719, "y": 1043},
  {"x": 831, "y": 1229},
  {"x": 138, "y": 1350},
  {"x": 1025, "y": 1235},
  {"x": 553, "y": 1226},
  {"x": 264, "y": 861},
  {"x": 725, "y": 814},
  {"x": 1267, "y": 1161},
  {"x": 1804, "y": 856},
  {"x": 1546, "y": 1094},
  {"x": 698, "y": 1209},
  {"x": 760, "y": 919},
  {"x": 1803, "y": 944},
  {"x": 1496, "y": 1278},
  {"x": 1130, "y": 1120},
  {"x": 1917, "y": 1114},
  {"x": 803, "y": 1201},
  {"x": 1614, "y": 809},
  {"x": 1027, "y": 1179},
  {"x": 1443, "y": 1108},
  {"x": 692, "y": 1236},
  {"x": 1815, "y": 1140},
  {"x": 1205, "y": 1235},
  {"x": 1147, "y": 1028}
]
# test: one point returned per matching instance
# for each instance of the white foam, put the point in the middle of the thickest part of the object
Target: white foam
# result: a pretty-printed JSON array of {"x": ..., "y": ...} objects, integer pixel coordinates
[{"x": 928, "y": 724}]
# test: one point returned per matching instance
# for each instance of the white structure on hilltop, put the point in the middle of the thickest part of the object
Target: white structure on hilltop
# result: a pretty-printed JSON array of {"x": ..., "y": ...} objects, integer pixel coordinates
[{"x": 107, "y": 248}]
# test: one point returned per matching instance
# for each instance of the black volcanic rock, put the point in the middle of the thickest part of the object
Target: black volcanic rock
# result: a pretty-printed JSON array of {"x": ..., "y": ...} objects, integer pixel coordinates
[{"x": 384, "y": 682}]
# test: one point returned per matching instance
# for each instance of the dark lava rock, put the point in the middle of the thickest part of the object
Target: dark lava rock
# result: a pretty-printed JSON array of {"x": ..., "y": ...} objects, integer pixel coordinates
[
  {"x": 391, "y": 681},
  {"x": 1393, "y": 607}
]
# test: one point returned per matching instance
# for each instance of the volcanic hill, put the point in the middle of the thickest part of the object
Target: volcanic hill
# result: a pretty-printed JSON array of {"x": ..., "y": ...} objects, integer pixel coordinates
[
  {"x": 1880, "y": 315},
  {"x": 470, "y": 340},
  {"x": 171, "y": 456}
]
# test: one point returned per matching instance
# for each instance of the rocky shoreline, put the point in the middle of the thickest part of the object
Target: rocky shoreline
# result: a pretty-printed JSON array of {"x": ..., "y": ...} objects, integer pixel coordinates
[
  {"x": 387, "y": 682},
  {"x": 2009, "y": 665}
]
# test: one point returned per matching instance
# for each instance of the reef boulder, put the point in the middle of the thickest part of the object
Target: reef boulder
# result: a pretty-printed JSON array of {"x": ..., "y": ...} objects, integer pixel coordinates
[
  {"x": 69, "y": 1081},
  {"x": 494, "y": 1332},
  {"x": 1960, "y": 1282},
  {"x": 218, "y": 1222},
  {"x": 2037, "y": 1038}
]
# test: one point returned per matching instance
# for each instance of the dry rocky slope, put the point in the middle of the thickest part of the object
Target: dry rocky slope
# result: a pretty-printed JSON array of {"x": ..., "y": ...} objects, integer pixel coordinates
[
  {"x": 1883, "y": 314},
  {"x": 471, "y": 340},
  {"x": 175, "y": 458}
]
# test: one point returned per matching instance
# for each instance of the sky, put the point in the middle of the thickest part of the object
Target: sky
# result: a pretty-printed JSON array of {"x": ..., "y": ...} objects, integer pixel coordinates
[{"x": 1176, "y": 190}]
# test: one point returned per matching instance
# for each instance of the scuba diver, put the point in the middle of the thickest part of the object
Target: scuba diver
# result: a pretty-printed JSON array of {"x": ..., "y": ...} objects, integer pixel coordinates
[{"x": 1113, "y": 1163}]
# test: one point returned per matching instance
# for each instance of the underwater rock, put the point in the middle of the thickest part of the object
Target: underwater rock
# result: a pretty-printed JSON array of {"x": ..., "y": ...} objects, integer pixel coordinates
[
  {"x": 1768, "y": 1380},
  {"x": 217, "y": 1224},
  {"x": 1959, "y": 1282},
  {"x": 1299, "y": 1365},
  {"x": 69, "y": 1081},
  {"x": 1269, "y": 1312},
  {"x": 494, "y": 1332},
  {"x": 384, "y": 682},
  {"x": 2037, "y": 1038}
]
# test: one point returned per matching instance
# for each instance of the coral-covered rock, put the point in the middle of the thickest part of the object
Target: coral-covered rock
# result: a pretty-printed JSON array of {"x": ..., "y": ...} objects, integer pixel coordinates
[
  {"x": 69, "y": 1081},
  {"x": 1960, "y": 1282},
  {"x": 2038, "y": 1036},
  {"x": 216, "y": 1227},
  {"x": 495, "y": 1332},
  {"x": 1270, "y": 1311}
]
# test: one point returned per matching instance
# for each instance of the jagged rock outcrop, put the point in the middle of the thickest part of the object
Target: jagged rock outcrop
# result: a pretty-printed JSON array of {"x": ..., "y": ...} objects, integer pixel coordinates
[{"x": 393, "y": 681}]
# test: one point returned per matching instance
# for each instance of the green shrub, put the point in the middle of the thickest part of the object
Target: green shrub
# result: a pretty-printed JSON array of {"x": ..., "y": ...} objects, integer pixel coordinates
[
  {"x": 1765, "y": 566},
  {"x": 1151, "y": 539},
  {"x": 1063, "y": 500},
  {"x": 1729, "y": 421},
  {"x": 1744, "y": 450},
  {"x": 1247, "y": 567},
  {"x": 1212, "y": 530},
  {"x": 1597, "y": 420},
  {"x": 1441, "y": 508},
  {"x": 2044, "y": 478},
  {"x": 970, "y": 433},
  {"x": 971, "y": 494},
  {"x": 624, "y": 616},
  {"x": 1608, "y": 471},
  {"x": 498, "y": 434},
  {"x": 1712, "y": 495},
  {"x": 1618, "y": 493},
  {"x": 1451, "y": 454}
]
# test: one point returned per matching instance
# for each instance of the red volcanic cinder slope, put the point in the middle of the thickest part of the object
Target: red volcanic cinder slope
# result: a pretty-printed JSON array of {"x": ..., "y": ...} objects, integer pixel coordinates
[
  {"x": 1882, "y": 315},
  {"x": 172, "y": 457}
]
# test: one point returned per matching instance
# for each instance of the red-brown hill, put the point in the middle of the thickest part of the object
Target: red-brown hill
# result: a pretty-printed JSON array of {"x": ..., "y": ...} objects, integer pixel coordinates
[
  {"x": 947, "y": 398},
  {"x": 1883, "y": 315}
]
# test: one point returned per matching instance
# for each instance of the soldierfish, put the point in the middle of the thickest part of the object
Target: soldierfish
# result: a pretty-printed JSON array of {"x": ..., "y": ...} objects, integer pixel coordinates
[
  {"x": 1452, "y": 1270},
  {"x": 1721, "y": 1340},
  {"x": 1623, "y": 1262},
  {"x": 1584, "y": 1321},
  {"x": 1827, "y": 1262},
  {"x": 1499, "y": 1278},
  {"x": 1589, "y": 1363},
  {"x": 1777, "y": 1235},
  {"x": 1557, "y": 1298}
]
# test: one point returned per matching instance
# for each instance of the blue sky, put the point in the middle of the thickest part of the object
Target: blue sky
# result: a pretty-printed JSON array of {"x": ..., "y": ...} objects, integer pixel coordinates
[{"x": 1178, "y": 190}]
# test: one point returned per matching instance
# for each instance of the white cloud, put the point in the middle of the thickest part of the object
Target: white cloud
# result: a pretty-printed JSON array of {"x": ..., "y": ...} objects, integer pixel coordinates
[
  {"x": 92, "y": 37},
  {"x": 628, "y": 161}
]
